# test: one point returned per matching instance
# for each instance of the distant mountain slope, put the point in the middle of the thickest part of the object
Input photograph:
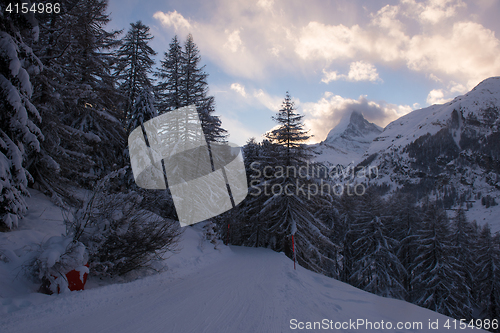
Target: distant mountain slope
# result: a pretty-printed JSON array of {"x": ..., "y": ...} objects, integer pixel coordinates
[
  {"x": 449, "y": 151},
  {"x": 348, "y": 141}
]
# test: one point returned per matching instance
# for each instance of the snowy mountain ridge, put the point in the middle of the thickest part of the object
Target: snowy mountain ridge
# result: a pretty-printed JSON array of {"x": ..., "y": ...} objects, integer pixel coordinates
[
  {"x": 450, "y": 152},
  {"x": 415, "y": 124}
]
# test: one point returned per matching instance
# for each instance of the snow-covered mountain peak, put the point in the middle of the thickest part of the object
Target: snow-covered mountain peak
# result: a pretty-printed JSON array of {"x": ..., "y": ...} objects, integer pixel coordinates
[
  {"x": 347, "y": 141},
  {"x": 353, "y": 126}
]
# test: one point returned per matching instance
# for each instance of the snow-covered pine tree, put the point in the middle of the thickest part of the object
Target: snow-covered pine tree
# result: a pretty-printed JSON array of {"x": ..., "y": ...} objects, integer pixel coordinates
[
  {"x": 376, "y": 269},
  {"x": 182, "y": 82},
  {"x": 347, "y": 207},
  {"x": 330, "y": 216},
  {"x": 290, "y": 207},
  {"x": 487, "y": 277},
  {"x": 19, "y": 134},
  {"x": 96, "y": 113},
  {"x": 77, "y": 98},
  {"x": 436, "y": 274},
  {"x": 143, "y": 109},
  {"x": 402, "y": 225},
  {"x": 290, "y": 133},
  {"x": 245, "y": 224},
  {"x": 134, "y": 65},
  {"x": 195, "y": 91},
  {"x": 168, "y": 89},
  {"x": 464, "y": 240}
]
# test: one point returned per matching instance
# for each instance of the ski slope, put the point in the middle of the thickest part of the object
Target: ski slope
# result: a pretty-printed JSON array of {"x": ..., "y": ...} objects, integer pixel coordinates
[{"x": 231, "y": 289}]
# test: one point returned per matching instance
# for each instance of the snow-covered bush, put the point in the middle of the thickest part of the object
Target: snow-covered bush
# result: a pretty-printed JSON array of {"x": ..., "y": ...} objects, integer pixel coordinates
[
  {"x": 210, "y": 234},
  {"x": 59, "y": 255},
  {"x": 120, "y": 234}
]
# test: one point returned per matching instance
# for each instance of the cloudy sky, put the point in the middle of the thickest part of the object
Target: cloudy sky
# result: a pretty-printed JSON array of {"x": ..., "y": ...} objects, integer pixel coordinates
[{"x": 383, "y": 58}]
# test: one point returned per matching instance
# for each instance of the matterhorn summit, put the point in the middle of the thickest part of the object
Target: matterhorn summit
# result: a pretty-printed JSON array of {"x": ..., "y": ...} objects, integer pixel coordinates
[{"x": 348, "y": 141}]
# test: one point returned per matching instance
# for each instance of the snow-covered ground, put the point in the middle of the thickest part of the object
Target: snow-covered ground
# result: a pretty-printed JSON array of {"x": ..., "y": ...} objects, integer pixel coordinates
[{"x": 230, "y": 289}]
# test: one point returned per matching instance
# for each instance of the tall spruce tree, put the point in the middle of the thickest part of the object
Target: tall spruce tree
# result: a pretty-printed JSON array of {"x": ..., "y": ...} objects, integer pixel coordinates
[
  {"x": 134, "y": 65},
  {"x": 290, "y": 133},
  {"x": 487, "y": 277},
  {"x": 19, "y": 134},
  {"x": 436, "y": 274},
  {"x": 464, "y": 242},
  {"x": 291, "y": 203},
  {"x": 347, "y": 206},
  {"x": 182, "y": 82},
  {"x": 377, "y": 269},
  {"x": 168, "y": 89},
  {"x": 77, "y": 97},
  {"x": 403, "y": 225},
  {"x": 143, "y": 110}
]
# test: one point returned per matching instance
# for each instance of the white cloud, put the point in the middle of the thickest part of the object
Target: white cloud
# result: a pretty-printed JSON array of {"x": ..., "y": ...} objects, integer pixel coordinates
[
  {"x": 273, "y": 103},
  {"x": 362, "y": 71},
  {"x": 275, "y": 51},
  {"x": 433, "y": 11},
  {"x": 469, "y": 51},
  {"x": 265, "y": 4},
  {"x": 330, "y": 42},
  {"x": 458, "y": 88},
  {"x": 358, "y": 71},
  {"x": 330, "y": 76},
  {"x": 435, "y": 37},
  {"x": 323, "y": 115},
  {"x": 234, "y": 42},
  {"x": 172, "y": 19},
  {"x": 436, "y": 96},
  {"x": 456, "y": 50},
  {"x": 434, "y": 78},
  {"x": 441, "y": 96},
  {"x": 240, "y": 89},
  {"x": 219, "y": 42}
]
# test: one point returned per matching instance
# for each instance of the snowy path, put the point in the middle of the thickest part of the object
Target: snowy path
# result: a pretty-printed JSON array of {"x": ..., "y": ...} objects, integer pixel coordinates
[
  {"x": 246, "y": 290},
  {"x": 231, "y": 290}
]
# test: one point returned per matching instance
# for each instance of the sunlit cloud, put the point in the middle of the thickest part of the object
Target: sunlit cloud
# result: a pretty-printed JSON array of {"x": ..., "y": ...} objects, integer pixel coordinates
[
  {"x": 325, "y": 114},
  {"x": 273, "y": 103},
  {"x": 234, "y": 42},
  {"x": 436, "y": 96},
  {"x": 434, "y": 11},
  {"x": 251, "y": 41},
  {"x": 172, "y": 19},
  {"x": 240, "y": 89},
  {"x": 359, "y": 71}
]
